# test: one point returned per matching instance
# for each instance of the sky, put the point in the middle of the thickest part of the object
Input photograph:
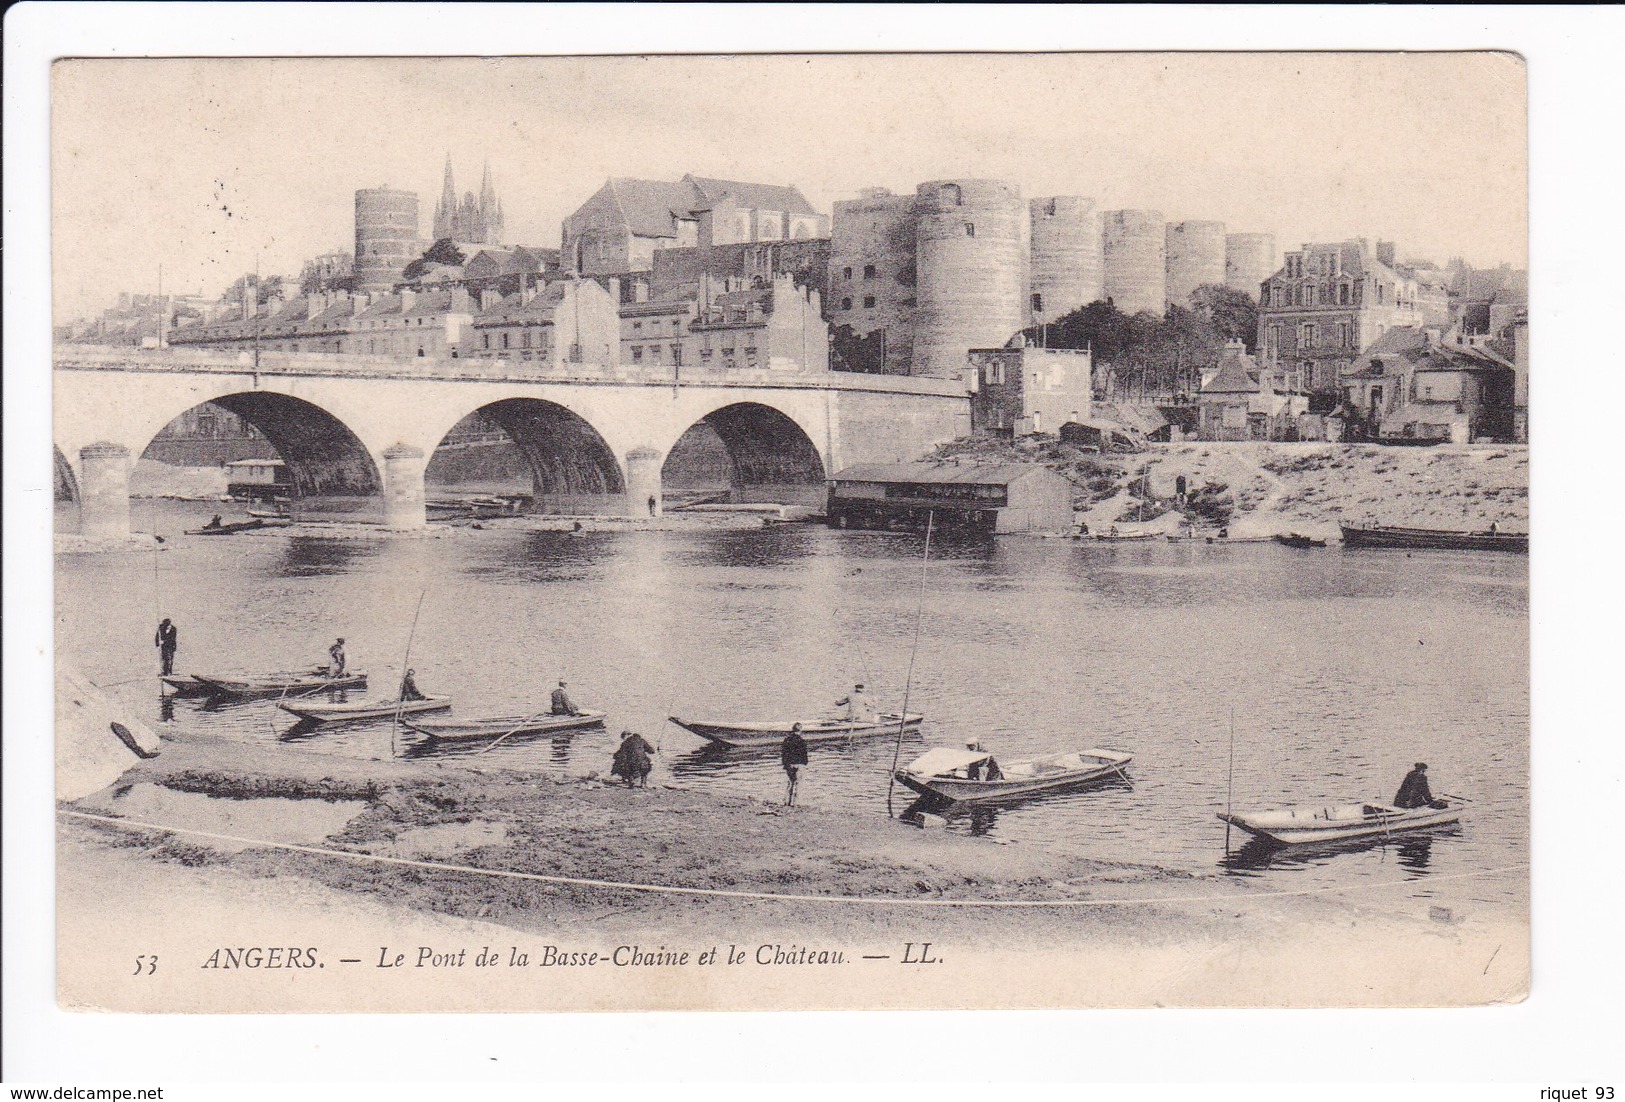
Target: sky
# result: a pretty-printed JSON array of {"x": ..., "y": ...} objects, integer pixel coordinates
[{"x": 206, "y": 167}]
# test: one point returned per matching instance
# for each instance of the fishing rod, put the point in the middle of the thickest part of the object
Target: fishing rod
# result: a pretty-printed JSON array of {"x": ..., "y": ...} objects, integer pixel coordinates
[
  {"x": 908, "y": 682},
  {"x": 1230, "y": 785},
  {"x": 406, "y": 664}
]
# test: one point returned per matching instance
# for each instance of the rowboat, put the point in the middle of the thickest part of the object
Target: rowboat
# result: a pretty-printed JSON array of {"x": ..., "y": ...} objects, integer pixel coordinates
[
  {"x": 955, "y": 774},
  {"x": 1123, "y": 536},
  {"x": 1433, "y": 539},
  {"x": 1300, "y": 542},
  {"x": 239, "y": 526},
  {"x": 363, "y": 709},
  {"x": 772, "y": 732},
  {"x": 491, "y": 727},
  {"x": 186, "y": 686},
  {"x": 276, "y": 684},
  {"x": 1340, "y": 822}
]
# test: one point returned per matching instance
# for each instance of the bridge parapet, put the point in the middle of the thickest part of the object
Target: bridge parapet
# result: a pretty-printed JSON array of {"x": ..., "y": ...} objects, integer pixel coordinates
[{"x": 478, "y": 369}]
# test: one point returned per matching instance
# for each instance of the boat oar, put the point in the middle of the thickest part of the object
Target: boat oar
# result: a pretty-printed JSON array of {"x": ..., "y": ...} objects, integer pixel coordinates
[
  {"x": 1448, "y": 796},
  {"x": 522, "y": 724}
]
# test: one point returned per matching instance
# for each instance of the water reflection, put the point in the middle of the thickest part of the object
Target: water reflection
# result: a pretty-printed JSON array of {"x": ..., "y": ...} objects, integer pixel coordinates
[
  {"x": 317, "y": 556},
  {"x": 1413, "y": 851}
]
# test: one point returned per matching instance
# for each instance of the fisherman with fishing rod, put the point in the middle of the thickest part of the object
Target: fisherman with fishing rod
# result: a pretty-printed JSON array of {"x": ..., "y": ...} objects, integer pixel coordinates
[{"x": 168, "y": 641}]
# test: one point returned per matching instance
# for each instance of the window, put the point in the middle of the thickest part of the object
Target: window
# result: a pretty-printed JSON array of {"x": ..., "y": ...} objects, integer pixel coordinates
[
  {"x": 485, "y": 341},
  {"x": 637, "y": 325},
  {"x": 705, "y": 355},
  {"x": 846, "y": 304},
  {"x": 750, "y": 357},
  {"x": 1306, "y": 338},
  {"x": 637, "y": 354},
  {"x": 504, "y": 341},
  {"x": 1038, "y": 303},
  {"x": 868, "y": 302},
  {"x": 868, "y": 271},
  {"x": 1309, "y": 295},
  {"x": 846, "y": 273},
  {"x": 970, "y": 229},
  {"x": 1343, "y": 294},
  {"x": 654, "y": 353},
  {"x": 677, "y": 355},
  {"x": 524, "y": 338},
  {"x": 1379, "y": 292}
]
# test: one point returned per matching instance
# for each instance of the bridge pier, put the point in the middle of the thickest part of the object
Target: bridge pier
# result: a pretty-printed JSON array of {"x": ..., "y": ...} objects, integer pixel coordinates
[
  {"x": 404, "y": 505},
  {"x": 104, "y": 491},
  {"x": 643, "y": 482}
]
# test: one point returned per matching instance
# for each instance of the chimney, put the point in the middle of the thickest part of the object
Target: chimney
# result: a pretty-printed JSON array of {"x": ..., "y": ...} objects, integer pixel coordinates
[
  {"x": 408, "y": 299},
  {"x": 614, "y": 290},
  {"x": 359, "y": 303},
  {"x": 527, "y": 290},
  {"x": 488, "y": 299}
]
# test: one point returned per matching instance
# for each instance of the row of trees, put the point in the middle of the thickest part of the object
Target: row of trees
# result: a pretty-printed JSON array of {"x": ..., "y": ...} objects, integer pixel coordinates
[{"x": 1151, "y": 354}]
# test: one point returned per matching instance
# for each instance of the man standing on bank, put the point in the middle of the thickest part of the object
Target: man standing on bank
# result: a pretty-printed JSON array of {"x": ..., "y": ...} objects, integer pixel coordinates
[
  {"x": 168, "y": 641},
  {"x": 1414, "y": 792},
  {"x": 562, "y": 704},
  {"x": 793, "y": 753}
]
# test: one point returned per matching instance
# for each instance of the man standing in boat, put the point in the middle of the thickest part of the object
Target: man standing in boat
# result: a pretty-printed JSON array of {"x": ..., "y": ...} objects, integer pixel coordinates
[
  {"x": 1414, "y": 791},
  {"x": 562, "y": 704},
  {"x": 168, "y": 641},
  {"x": 793, "y": 754},
  {"x": 335, "y": 667},
  {"x": 858, "y": 709}
]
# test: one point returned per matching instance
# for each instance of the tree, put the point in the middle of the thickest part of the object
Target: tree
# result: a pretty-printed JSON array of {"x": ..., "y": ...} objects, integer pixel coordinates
[
  {"x": 1232, "y": 313},
  {"x": 265, "y": 288}
]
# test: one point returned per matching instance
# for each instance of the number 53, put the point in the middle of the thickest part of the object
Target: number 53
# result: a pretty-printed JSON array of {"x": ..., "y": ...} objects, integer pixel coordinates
[{"x": 145, "y": 965}]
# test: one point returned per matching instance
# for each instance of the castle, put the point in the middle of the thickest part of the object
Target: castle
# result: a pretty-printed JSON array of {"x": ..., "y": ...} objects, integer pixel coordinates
[{"x": 472, "y": 221}]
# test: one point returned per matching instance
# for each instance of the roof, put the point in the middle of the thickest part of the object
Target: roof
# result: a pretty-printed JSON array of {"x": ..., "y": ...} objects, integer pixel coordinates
[
  {"x": 755, "y": 196},
  {"x": 1147, "y": 419},
  {"x": 993, "y": 474},
  {"x": 651, "y": 207},
  {"x": 1233, "y": 378}
]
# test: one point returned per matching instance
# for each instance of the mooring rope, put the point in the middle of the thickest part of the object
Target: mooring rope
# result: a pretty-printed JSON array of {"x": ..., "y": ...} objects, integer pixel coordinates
[{"x": 780, "y": 897}]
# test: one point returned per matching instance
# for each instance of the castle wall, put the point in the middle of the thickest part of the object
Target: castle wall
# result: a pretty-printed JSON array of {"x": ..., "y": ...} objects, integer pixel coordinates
[
  {"x": 386, "y": 236},
  {"x": 1066, "y": 255},
  {"x": 1134, "y": 255},
  {"x": 1249, "y": 259},
  {"x": 871, "y": 288},
  {"x": 972, "y": 254},
  {"x": 1194, "y": 255}
]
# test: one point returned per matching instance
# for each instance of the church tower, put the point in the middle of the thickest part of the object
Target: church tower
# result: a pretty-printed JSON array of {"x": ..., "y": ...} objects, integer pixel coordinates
[{"x": 445, "y": 212}]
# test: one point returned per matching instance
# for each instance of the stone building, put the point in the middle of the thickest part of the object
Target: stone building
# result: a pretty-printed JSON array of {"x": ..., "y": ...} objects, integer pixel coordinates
[
  {"x": 1327, "y": 303},
  {"x": 1249, "y": 259},
  {"x": 1244, "y": 400},
  {"x": 1134, "y": 258},
  {"x": 729, "y": 326},
  {"x": 678, "y": 273},
  {"x": 871, "y": 291},
  {"x": 386, "y": 236},
  {"x": 971, "y": 251},
  {"x": 1023, "y": 391},
  {"x": 1066, "y": 256},
  {"x": 566, "y": 322},
  {"x": 617, "y": 230},
  {"x": 1416, "y": 385},
  {"x": 1194, "y": 255},
  {"x": 472, "y": 221}
]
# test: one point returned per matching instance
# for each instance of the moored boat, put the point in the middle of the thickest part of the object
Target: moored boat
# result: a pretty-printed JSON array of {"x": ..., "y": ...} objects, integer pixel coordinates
[
  {"x": 239, "y": 526},
  {"x": 186, "y": 686},
  {"x": 960, "y": 775},
  {"x": 1293, "y": 539},
  {"x": 1123, "y": 536},
  {"x": 276, "y": 684},
  {"x": 772, "y": 732},
  {"x": 1340, "y": 822},
  {"x": 1433, "y": 538},
  {"x": 492, "y": 727},
  {"x": 363, "y": 709}
]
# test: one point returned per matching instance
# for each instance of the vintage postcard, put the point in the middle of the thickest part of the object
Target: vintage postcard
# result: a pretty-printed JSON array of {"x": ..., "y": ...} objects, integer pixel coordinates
[{"x": 791, "y": 532}]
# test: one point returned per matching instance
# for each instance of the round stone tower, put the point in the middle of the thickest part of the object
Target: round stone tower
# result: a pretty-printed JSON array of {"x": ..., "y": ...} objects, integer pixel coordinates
[
  {"x": 1249, "y": 259},
  {"x": 1065, "y": 255},
  {"x": 1134, "y": 272},
  {"x": 386, "y": 236},
  {"x": 1195, "y": 255},
  {"x": 971, "y": 259}
]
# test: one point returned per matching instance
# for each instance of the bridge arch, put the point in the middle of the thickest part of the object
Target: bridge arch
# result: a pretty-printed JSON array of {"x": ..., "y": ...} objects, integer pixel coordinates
[
  {"x": 764, "y": 454},
  {"x": 572, "y": 468},
  {"x": 323, "y": 456}
]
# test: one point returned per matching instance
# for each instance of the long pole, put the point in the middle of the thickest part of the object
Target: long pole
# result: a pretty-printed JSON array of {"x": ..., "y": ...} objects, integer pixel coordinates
[
  {"x": 908, "y": 682},
  {"x": 400, "y": 696},
  {"x": 1230, "y": 784}
]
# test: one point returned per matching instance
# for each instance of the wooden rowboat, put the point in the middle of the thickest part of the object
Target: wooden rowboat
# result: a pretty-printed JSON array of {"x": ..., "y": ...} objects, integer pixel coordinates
[
  {"x": 947, "y": 773},
  {"x": 186, "y": 686},
  {"x": 1433, "y": 539},
  {"x": 1340, "y": 822},
  {"x": 364, "y": 709},
  {"x": 1123, "y": 536},
  {"x": 772, "y": 732},
  {"x": 276, "y": 684},
  {"x": 239, "y": 526},
  {"x": 493, "y": 727},
  {"x": 1300, "y": 542}
]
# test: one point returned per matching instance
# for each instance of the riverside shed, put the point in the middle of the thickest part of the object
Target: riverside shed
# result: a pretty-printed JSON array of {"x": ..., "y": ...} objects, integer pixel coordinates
[{"x": 1006, "y": 497}]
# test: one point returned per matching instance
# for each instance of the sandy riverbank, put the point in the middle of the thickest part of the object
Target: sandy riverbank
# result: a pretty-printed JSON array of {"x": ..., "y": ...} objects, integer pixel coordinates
[{"x": 1207, "y": 940}]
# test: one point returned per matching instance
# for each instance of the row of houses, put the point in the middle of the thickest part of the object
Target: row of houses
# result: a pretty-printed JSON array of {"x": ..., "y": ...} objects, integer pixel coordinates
[{"x": 769, "y": 324}]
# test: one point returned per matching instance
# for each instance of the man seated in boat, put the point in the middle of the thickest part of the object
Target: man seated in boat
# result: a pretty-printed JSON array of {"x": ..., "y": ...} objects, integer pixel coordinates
[
  {"x": 335, "y": 668},
  {"x": 562, "y": 704},
  {"x": 214, "y": 522},
  {"x": 1414, "y": 791},
  {"x": 854, "y": 707},
  {"x": 409, "y": 687},
  {"x": 985, "y": 770}
]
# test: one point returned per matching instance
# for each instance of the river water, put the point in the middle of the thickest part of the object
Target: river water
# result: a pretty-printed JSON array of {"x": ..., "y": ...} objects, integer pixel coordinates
[{"x": 1339, "y": 668}]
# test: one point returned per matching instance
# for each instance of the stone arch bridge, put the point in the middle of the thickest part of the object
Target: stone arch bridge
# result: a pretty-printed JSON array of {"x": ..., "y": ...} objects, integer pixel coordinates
[{"x": 596, "y": 438}]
